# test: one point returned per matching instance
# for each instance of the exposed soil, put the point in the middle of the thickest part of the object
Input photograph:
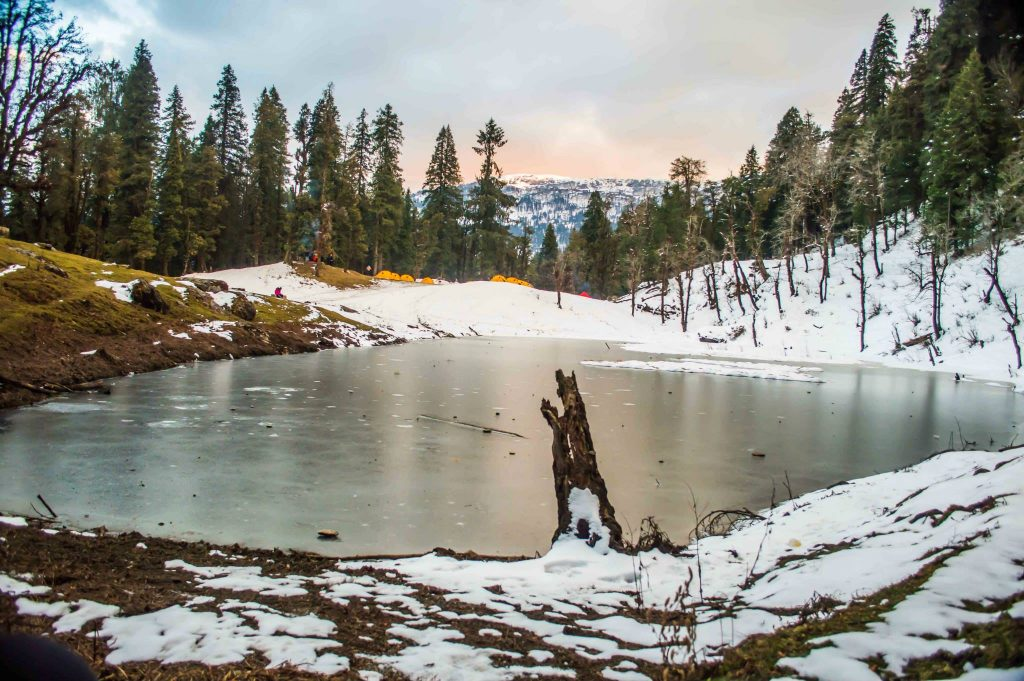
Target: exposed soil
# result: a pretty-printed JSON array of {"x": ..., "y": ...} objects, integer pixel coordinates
[{"x": 50, "y": 358}]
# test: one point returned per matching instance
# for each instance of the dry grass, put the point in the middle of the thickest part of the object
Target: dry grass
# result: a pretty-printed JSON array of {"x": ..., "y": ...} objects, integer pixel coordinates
[{"x": 335, "y": 276}]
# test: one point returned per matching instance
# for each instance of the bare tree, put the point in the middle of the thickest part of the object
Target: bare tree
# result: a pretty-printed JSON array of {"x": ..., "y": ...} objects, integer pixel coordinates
[
  {"x": 826, "y": 180},
  {"x": 999, "y": 215},
  {"x": 44, "y": 61},
  {"x": 634, "y": 224}
]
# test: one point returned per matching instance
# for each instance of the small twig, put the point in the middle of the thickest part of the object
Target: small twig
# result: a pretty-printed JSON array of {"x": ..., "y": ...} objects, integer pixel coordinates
[
  {"x": 472, "y": 426},
  {"x": 40, "y": 498}
]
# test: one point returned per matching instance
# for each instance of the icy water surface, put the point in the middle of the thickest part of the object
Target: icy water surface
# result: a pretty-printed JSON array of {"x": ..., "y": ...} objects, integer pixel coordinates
[{"x": 266, "y": 451}]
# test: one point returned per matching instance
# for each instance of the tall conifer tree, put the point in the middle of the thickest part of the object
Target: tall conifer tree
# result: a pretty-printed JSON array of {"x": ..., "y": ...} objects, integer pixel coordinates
[
  {"x": 489, "y": 206},
  {"x": 172, "y": 204},
  {"x": 229, "y": 137},
  {"x": 139, "y": 128},
  {"x": 443, "y": 211},
  {"x": 961, "y": 159},
  {"x": 882, "y": 66},
  {"x": 267, "y": 195},
  {"x": 386, "y": 199}
]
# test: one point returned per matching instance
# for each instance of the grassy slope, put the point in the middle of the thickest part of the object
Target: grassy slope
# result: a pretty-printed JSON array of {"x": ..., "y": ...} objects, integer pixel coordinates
[
  {"x": 335, "y": 276},
  {"x": 48, "y": 320}
]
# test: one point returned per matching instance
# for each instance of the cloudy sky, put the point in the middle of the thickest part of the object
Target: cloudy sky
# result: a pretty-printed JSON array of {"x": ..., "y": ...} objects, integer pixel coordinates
[{"x": 585, "y": 88}]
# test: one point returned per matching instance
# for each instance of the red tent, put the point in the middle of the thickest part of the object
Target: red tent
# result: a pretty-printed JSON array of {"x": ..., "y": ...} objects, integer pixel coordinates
[{"x": 584, "y": 294}]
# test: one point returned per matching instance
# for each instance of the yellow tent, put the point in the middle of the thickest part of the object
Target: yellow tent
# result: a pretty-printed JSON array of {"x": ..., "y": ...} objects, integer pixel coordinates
[
  {"x": 498, "y": 277},
  {"x": 426, "y": 280},
  {"x": 406, "y": 277}
]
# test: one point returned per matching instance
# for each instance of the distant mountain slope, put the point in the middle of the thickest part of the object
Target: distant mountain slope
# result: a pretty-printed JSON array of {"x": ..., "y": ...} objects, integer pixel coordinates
[{"x": 561, "y": 200}]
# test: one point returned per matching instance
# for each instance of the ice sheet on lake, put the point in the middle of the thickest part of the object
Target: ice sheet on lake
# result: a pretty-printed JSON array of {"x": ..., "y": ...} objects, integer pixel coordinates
[
  {"x": 62, "y": 407},
  {"x": 778, "y": 372}
]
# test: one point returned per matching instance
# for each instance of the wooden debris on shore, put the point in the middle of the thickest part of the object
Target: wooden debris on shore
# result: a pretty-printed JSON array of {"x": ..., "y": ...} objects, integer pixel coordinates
[
  {"x": 575, "y": 463},
  {"x": 926, "y": 339}
]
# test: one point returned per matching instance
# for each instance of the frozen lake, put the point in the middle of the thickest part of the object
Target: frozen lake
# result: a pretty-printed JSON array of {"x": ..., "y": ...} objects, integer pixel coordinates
[{"x": 266, "y": 451}]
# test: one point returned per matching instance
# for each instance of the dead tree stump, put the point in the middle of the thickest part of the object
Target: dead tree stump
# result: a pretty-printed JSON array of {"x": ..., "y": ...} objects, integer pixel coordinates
[{"x": 575, "y": 465}]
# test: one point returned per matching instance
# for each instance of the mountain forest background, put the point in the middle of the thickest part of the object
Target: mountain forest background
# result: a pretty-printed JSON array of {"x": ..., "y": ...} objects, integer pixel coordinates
[{"x": 95, "y": 159}]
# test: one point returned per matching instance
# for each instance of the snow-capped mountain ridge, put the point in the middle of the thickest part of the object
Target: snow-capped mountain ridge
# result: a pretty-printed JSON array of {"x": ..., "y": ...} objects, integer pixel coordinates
[{"x": 542, "y": 198}]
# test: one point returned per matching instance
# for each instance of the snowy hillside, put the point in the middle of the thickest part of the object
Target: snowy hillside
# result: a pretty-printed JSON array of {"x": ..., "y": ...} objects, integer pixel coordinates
[
  {"x": 975, "y": 342},
  {"x": 561, "y": 200}
]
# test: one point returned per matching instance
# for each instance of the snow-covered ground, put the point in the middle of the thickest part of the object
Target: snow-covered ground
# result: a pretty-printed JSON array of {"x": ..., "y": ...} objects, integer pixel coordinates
[
  {"x": 412, "y": 310},
  {"x": 961, "y": 513},
  {"x": 975, "y": 343}
]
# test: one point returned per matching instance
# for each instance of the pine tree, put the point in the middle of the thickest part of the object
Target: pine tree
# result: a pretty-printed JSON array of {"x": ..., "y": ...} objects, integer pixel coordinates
[
  {"x": 787, "y": 132},
  {"x": 489, "y": 207},
  {"x": 362, "y": 154},
  {"x": 903, "y": 125},
  {"x": 955, "y": 35},
  {"x": 882, "y": 66},
  {"x": 859, "y": 84},
  {"x": 140, "y": 136},
  {"x": 301, "y": 134},
  {"x": 352, "y": 239},
  {"x": 230, "y": 133},
  {"x": 598, "y": 245},
  {"x": 962, "y": 154},
  {"x": 206, "y": 208},
  {"x": 172, "y": 206},
  {"x": 386, "y": 199},
  {"x": 303, "y": 207},
  {"x": 544, "y": 263},
  {"x": 443, "y": 210},
  {"x": 360, "y": 170},
  {"x": 753, "y": 198},
  {"x": 267, "y": 194},
  {"x": 403, "y": 257},
  {"x": 229, "y": 124},
  {"x": 325, "y": 146}
]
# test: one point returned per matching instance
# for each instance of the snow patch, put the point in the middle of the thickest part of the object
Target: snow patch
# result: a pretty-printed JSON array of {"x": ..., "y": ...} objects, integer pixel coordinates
[
  {"x": 778, "y": 372},
  {"x": 10, "y": 269}
]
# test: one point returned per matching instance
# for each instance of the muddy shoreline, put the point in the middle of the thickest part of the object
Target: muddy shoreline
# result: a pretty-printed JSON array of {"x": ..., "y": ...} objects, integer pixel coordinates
[{"x": 51, "y": 360}]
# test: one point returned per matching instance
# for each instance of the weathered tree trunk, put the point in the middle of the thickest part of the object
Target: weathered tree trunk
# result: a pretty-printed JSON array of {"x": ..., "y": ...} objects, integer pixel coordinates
[
  {"x": 778, "y": 275},
  {"x": 712, "y": 286},
  {"x": 936, "y": 294},
  {"x": 575, "y": 465},
  {"x": 874, "y": 249},
  {"x": 862, "y": 280}
]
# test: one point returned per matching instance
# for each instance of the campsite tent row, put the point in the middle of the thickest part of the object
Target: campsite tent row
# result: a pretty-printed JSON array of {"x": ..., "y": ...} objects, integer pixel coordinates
[
  {"x": 391, "y": 276},
  {"x": 511, "y": 280}
]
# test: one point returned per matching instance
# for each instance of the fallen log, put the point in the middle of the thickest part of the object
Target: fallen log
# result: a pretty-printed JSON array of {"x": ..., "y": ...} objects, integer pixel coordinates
[
  {"x": 575, "y": 467},
  {"x": 27, "y": 386},
  {"x": 91, "y": 386},
  {"x": 920, "y": 340}
]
